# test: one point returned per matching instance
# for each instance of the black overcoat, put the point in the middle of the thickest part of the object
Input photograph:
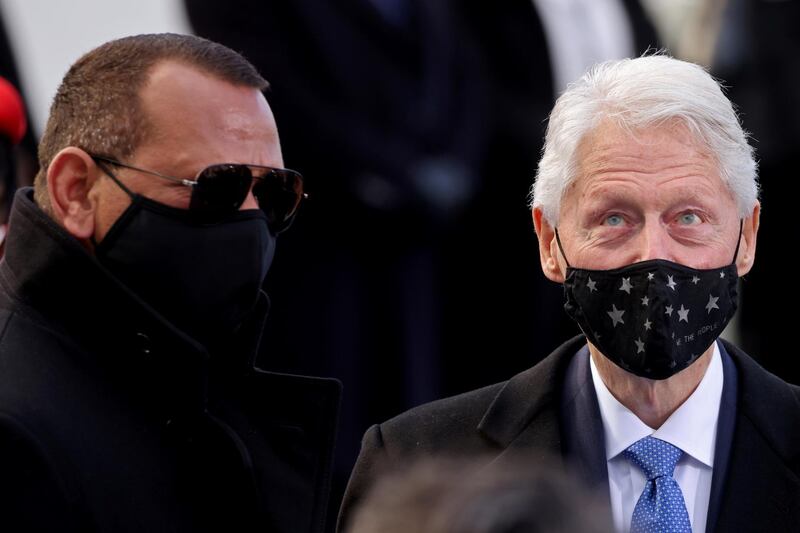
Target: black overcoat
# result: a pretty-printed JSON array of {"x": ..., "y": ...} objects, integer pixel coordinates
[{"x": 113, "y": 420}]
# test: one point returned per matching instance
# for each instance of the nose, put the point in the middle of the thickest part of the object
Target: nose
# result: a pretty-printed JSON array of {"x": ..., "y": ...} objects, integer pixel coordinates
[
  {"x": 249, "y": 201},
  {"x": 653, "y": 242}
]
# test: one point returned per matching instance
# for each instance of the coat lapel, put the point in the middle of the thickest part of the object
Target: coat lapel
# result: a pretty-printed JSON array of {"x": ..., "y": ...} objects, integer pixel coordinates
[
  {"x": 762, "y": 486},
  {"x": 726, "y": 422},
  {"x": 524, "y": 416},
  {"x": 584, "y": 438}
]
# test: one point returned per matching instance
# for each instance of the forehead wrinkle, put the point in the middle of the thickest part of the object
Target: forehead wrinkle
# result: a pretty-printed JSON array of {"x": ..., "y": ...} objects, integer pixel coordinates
[
  {"x": 632, "y": 166},
  {"x": 608, "y": 146},
  {"x": 613, "y": 161}
]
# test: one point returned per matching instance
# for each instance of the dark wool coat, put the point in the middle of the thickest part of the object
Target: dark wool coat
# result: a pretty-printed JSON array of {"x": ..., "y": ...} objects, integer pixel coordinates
[{"x": 113, "y": 420}]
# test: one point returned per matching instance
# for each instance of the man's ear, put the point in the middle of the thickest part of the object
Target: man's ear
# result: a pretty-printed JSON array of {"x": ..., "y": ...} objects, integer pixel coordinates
[
  {"x": 70, "y": 179},
  {"x": 548, "y": 247},
  {"x": 747, "y": 242}
]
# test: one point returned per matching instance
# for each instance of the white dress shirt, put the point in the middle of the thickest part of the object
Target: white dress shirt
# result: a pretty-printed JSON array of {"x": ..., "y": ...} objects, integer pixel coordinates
[{"x": 692, "y": 428}]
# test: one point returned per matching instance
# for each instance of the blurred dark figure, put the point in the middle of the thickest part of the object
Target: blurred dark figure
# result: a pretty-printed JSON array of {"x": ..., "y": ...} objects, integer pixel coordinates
[
  {"x": 418, "y": 126},
  {"x": 758, "y": 56},
  {"x": 17, "y": 144},
  {"x": 467, "y": 496}
]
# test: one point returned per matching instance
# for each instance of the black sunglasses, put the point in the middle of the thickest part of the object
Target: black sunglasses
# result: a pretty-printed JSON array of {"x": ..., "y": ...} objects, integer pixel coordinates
[{"x": 221, "y": 189}]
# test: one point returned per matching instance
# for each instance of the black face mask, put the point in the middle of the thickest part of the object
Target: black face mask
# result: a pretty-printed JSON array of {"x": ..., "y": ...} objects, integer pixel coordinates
[
  {"x": 653, "y": 318},
  {"x": 204, "y": 278}
]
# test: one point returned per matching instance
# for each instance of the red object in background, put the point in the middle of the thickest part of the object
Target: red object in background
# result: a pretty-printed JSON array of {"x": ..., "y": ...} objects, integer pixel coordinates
[
  {"x": 12, "y": 113},
  {"x": 13, "y": 125}
]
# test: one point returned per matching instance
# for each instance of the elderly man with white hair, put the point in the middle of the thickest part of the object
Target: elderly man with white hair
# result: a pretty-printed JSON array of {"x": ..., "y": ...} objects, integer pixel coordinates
[{"x": 646, "y": 209}]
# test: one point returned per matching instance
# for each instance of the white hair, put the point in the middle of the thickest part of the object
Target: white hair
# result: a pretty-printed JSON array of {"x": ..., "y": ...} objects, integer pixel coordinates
[{"x": 635, "y": 93}]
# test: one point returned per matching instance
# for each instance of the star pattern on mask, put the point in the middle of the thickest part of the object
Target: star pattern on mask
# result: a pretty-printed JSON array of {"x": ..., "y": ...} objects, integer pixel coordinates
[
  {"x": 592, "y": 285},
  {"x": 648, "y": 307},
  {"x": 616, "y": 315},
  {"x": 712, "y": 303},
  {"x": 671, "y": 283},
  {"x": 626, "y": 285},
  {"x": 721, "y": 275}
]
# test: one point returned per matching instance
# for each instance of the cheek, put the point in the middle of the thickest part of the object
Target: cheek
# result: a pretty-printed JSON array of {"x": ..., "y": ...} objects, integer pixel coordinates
[
  {"x": 714, "y": 251},
  {"x": 714, "y": 255},
  {"x": 595, "y": 259},
  {"x": 179, "y": 197},
  {"x": 110, "y": 207}
]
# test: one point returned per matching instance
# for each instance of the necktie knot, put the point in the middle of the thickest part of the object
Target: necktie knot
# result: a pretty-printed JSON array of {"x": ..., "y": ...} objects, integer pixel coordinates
[
  {"x": 654, "y": 456},
  {"x": 661, "y": 507}
]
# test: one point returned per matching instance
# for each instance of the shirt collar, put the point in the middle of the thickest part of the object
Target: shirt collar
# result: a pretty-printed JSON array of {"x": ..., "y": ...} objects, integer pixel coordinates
[{"x": 692, "y": 427}]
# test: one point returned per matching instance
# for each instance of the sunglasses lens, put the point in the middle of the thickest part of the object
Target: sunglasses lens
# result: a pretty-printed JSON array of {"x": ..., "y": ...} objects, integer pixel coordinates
[
  {"x": 221, "y": 189},
  {"x": 279, "y": 193}
]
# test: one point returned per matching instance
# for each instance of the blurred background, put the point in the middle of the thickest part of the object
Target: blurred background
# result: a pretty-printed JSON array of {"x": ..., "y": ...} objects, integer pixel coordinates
[{"x": 412, "y": 272}]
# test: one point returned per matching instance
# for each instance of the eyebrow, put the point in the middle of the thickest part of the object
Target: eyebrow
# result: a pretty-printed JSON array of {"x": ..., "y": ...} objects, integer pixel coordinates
[{"x": 615, "y": 197}]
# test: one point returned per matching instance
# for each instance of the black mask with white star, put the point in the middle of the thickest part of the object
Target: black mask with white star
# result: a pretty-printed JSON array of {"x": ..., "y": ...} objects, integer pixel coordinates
[{"x": 652, "y": 318}]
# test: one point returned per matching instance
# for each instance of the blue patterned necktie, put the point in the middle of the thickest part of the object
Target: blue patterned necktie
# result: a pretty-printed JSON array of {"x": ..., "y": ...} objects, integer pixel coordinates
[{"x": 661, "y": 508}]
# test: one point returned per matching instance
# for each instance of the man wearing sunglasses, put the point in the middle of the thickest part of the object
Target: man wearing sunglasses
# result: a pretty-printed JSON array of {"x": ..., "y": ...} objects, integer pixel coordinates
[{"x": 131, "y": 308}]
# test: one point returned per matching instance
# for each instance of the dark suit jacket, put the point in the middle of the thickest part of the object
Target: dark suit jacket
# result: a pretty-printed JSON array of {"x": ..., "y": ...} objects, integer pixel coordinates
[{"x": 528, "y": 413}]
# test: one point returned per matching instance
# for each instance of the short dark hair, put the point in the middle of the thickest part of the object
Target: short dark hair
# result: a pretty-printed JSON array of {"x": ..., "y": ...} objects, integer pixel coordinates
[{"x": 97, "y": 106}]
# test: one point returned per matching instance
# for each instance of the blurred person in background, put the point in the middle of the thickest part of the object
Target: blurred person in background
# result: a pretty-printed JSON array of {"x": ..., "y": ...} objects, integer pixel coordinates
[
  {"x": 646, "y": 209},
  {"x": 417, "y": 125},
  {"x": 473, "y": 495}
]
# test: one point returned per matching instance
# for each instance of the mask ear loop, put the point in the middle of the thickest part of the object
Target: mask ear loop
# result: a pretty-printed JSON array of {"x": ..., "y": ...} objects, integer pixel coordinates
[
  {"x": 738, "y": 241},
  {"x": 116, "y": 180},
  {"x": 561, "y": 249}
]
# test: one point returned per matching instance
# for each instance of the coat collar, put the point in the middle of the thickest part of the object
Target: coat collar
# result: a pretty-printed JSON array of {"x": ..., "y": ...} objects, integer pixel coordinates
[
  {"x": 529, "y": 398},
  {"x": 53, "y": 279}
]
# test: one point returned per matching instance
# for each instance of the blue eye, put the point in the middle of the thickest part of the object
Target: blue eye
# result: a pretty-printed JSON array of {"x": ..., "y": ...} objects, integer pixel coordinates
[
  {"x": 614, "y": 220},
  {"x": 689, "y": 219}
]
